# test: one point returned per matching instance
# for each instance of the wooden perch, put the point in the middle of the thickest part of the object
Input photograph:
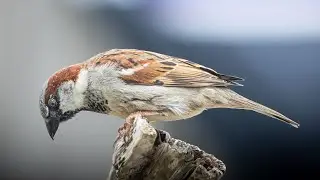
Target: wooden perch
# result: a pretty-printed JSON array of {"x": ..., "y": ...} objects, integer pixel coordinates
[{"x": 149, "y": 154}]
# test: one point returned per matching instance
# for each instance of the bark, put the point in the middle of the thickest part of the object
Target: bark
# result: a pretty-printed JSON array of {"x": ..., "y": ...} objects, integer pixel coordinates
[{"x": 142, "y": 152}]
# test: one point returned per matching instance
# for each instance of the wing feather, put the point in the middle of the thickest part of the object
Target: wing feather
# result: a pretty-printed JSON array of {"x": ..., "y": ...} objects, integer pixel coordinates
[{"x": 150, "y": 68}]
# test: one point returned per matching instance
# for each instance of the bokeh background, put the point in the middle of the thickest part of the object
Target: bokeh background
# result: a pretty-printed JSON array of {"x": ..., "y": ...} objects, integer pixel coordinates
[{"x": 274, "y": 45}]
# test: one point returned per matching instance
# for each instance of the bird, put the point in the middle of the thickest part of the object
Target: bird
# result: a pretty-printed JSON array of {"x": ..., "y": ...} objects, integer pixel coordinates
[{"x": 126, "y": 83}]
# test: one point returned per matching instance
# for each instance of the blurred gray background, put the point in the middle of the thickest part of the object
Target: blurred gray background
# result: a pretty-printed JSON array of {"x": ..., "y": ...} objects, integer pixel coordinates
[{"x": 274, "y": 45}]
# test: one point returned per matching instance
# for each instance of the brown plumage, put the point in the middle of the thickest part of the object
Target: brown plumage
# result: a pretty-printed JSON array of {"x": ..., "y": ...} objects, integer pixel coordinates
[
  {"x": 151, "y": 68},
  {"x": 124, "y": 82}
]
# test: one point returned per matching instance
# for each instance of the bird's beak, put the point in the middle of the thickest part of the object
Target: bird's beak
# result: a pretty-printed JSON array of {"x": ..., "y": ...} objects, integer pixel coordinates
[{"x": 52, "y": 126}]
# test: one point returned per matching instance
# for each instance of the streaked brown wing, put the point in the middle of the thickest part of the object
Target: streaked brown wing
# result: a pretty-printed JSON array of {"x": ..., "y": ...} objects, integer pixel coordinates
[{"x": 151, "y": 68}]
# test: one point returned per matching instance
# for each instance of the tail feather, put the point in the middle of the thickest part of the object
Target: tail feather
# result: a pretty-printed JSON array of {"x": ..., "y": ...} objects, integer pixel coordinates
[
  {"x": 254, "y": 106},
  {"x": 237, "y": 101}
]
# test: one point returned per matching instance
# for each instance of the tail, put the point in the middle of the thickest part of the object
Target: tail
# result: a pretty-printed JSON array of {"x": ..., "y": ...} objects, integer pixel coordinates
[{"x": 236, "y": 101}]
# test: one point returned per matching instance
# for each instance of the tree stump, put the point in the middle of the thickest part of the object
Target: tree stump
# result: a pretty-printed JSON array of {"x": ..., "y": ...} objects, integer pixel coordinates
[{"x": 145, "y": 153}]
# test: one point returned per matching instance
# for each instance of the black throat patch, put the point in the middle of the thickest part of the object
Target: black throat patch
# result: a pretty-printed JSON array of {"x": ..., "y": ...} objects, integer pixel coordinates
[{"x": 96, "y": 102}]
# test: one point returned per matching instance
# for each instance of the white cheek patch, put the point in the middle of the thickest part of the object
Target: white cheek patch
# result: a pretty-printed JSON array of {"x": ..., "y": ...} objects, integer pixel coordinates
[
  {"x": 72, "y": 95},
  {"x": 66, "y": 96},
  {"x": 80, "y": 87}
]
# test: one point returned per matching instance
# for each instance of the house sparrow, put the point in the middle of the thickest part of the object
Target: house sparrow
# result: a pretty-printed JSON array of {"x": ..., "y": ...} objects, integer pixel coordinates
[{"x": 129, "y": 82}]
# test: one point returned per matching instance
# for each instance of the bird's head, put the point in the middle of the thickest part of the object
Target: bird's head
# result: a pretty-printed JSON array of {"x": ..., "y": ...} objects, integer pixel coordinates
[{"x": 63, "y": 96}]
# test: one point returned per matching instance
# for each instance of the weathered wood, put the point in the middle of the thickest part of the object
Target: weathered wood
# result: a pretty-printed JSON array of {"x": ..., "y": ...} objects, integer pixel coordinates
[{"x": 149, "y": 154}]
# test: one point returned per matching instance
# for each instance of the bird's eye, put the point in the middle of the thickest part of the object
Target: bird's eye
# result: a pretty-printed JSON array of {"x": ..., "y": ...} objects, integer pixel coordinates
[{"x": 52, "y": 102}]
